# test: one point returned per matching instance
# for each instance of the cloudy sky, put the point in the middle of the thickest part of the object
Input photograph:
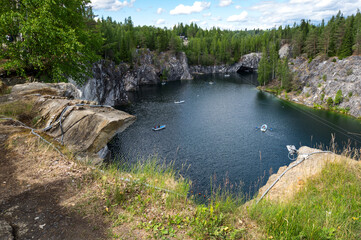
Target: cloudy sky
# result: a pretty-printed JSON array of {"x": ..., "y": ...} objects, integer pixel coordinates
[{"x": 226, "y": 14}]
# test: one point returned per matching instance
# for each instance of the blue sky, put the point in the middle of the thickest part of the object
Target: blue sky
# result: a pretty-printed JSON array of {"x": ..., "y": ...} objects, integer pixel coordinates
[{"x": 226, "y": 14}]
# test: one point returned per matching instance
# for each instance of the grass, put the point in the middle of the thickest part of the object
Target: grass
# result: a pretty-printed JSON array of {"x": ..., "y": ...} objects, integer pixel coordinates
[
  {"x": 152, "y": 197},
  {"x": 22, "y": 111},
  {"x": 328, "y": 207}
]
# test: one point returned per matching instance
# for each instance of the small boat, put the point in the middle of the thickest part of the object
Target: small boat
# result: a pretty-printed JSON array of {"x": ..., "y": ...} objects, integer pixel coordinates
[
  {"x": 211, "y": 83},
  {"x": 264, "y": 128},
  {"x": 178, "y": 102},
  {"x": 157, "y": 128},
  {"x": 227, "y": 75},
  {"x": 163, "y": 83}
]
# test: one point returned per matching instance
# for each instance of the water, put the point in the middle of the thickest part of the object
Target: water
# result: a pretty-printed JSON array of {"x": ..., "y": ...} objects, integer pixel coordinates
[{"x": 214, "y": 130}]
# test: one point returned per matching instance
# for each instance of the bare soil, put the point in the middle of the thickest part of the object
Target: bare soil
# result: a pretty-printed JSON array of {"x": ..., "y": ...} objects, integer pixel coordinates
[{"x": 34, "y": 185}]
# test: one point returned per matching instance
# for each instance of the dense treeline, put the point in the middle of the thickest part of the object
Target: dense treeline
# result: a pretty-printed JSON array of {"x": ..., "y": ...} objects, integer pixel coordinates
[
  {"x": 62, "y": 40},
  {"x": 339, "y": 37}
]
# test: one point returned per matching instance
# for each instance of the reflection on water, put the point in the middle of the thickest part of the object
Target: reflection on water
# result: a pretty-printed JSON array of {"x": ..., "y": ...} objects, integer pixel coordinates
[{"x": 214, "y": 130}]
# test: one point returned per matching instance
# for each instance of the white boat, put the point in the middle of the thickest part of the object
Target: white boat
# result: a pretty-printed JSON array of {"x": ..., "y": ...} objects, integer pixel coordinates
[
  {"x": 211, "y": 83},
  {"x": 178, "y": 102},
  {"x": 163, "y": 83},
  {"x": 159, "y": 127},
  {"x": 227, "y": 75},
  {"x": 264, "y": 128}
]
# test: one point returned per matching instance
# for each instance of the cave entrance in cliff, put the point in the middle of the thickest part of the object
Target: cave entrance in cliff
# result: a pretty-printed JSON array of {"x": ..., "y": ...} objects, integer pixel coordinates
[{"x": 245, "y": 69}]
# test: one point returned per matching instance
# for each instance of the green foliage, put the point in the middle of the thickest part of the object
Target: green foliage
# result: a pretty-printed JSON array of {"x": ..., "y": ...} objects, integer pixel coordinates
[
  {"x": 349, "y": 94},
  {"x": 264, "y": 68},
  {"x": 334, "y": 60},
  {"x": 49, "y": 38},
  {"x": 328, "y": 207},
  {"x": 338, "y": 97},
  {"x": 329, "y": 101},
  {"x": 284, "y": 74},
  {"x": 324, "y": 77}
]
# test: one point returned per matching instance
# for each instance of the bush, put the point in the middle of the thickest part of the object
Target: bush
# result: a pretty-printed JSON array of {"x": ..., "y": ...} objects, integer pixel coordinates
[
  {"x": 324, "y": 77},
  {"x": 338, "y": 97},
  {"x": 334, "y": 60},
  {"x": 350, "y": 94},
  {"x": 329, "y": 101},
  {"x": 322, "y": 97}
]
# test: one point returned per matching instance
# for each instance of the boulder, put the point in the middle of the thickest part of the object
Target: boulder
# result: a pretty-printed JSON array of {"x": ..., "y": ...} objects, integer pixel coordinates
[
  {"x": 67, "y": 90},
  {"x": 295, "y": 178},
  {"x": 84, "y": 127}
]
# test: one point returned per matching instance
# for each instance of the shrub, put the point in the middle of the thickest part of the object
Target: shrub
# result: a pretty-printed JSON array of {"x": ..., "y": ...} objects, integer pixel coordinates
[
  {"x": 338, "y": 97},
  {"x": 319, "y": 85},
  {"x": 334, "y": 60},
  {"x": 329, "y": 101},
  {"x": 350, "y": 94},
  {"x": 324, "y": 77},
  {"x": 322, "y": 97}
]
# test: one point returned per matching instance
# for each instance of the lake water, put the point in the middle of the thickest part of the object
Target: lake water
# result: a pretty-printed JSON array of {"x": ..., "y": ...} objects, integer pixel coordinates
[{"x": 214, "y": 130}]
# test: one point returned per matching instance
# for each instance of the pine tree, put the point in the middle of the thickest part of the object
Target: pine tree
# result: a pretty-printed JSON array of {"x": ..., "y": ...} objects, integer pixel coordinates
[
  {"x": 347, "y": 41},
  {"x": 264, "y": 69}
]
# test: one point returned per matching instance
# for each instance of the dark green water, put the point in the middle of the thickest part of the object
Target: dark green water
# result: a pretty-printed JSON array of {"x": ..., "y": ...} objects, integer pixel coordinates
[{"x": 214, "y": 130}]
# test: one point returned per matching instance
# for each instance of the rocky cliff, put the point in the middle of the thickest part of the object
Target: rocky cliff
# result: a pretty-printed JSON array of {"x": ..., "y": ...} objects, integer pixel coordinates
[
  {"x": 106, "y": 85},
  {"x": 83, "y": 126},
  {"x": 110, "y": 82},
  {"x": 321, "y": 79},
  {"x": 248, "y": 62}
]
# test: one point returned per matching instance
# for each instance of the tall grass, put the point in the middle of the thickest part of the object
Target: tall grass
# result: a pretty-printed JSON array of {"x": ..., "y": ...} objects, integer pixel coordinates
[{"x": 329, "y": 207}]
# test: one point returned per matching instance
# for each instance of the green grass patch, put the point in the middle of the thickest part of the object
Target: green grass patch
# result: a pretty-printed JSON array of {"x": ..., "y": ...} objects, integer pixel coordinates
[
  {"x": 22, "y": 111},
  {"x": 329, "y": 207}
]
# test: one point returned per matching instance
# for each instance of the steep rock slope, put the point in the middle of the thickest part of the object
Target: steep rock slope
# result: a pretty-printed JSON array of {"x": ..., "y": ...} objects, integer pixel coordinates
[
  {"x": 321, "y": 79},
  {"x": 248, "y": 62}
]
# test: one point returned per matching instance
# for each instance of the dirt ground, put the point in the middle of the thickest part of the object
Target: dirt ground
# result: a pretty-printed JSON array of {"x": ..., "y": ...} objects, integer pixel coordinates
[{"x": 34, "y": 185}]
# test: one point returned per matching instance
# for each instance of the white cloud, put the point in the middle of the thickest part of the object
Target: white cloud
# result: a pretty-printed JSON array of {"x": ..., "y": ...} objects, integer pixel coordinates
[
  {"x": 160, "y": 21},
  {"x": 160, "y": 10},
  {"x": 195, "y": 8},
  {"x": 238, "y": 18},
  {"x": 224, "y": 3},
  {"x": 276, "y": 14},
  {"x": 139, "y": 10},
  {"x": 194, "y": 20},
  {"x": 216, "y": 18},
  {"x": 111, "y": 5},
  {"x": 207, "y": 14},
  {"x": 238, "y": 7}
]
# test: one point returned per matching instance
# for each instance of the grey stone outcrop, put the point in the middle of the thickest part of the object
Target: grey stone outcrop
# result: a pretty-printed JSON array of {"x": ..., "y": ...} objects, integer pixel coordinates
[
  {"x": 320, "y": 79},
  {"x": 248, "y": 62}
]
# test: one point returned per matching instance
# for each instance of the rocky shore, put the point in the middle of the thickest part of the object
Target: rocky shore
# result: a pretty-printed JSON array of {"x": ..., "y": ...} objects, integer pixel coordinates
[{"x": 321, "y": 79}]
